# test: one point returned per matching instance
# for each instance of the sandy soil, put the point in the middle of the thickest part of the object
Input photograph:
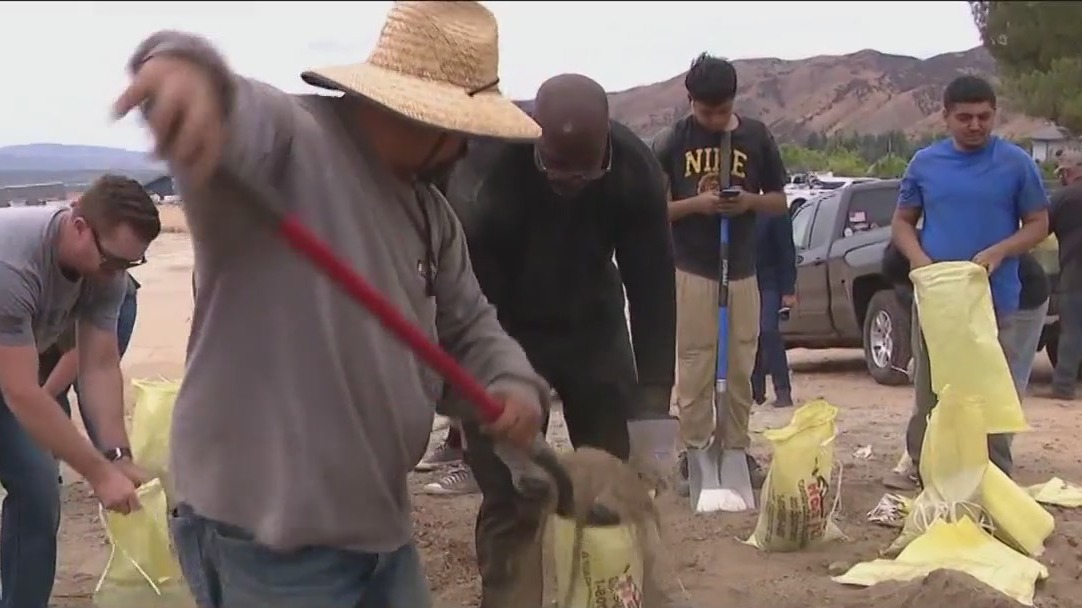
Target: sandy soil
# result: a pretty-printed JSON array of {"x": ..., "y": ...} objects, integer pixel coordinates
[{"x": 713, "y": 565}]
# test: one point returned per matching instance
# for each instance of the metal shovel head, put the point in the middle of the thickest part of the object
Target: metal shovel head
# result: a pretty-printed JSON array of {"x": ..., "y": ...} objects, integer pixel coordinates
[
  {"x": 736, "y": 478},
  {"x": 704, "y": 478}
]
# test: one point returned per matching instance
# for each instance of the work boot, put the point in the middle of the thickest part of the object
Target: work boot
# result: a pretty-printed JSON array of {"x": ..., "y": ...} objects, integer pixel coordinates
[
  {"x": 683, "y": 488},
  {"x": 1058, "y": 394},
  {"x": 444, "y": 455},
  {"x": 458, "y": 482},
  {"x": 755, "y": 473},
  {"x": 783, "y": 399}
]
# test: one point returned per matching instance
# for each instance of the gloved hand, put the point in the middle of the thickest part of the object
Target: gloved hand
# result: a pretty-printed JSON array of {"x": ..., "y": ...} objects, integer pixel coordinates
[
  {"x": 528, "y": 478},
  {"x": 654, "y": 434}
]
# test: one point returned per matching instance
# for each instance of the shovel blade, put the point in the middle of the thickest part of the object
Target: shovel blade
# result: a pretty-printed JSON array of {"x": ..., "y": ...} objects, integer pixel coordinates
[
  {"x": 704, "y": 477},
  {"x": 736, "y": 478}
]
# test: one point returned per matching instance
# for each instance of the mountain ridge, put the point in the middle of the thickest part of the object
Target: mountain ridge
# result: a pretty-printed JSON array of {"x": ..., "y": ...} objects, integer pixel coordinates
[{"x": 866, "y": 92}]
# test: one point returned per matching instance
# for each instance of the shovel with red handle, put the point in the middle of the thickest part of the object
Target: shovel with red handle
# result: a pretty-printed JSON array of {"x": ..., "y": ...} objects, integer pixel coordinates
[{"x": 264, "y": 205}]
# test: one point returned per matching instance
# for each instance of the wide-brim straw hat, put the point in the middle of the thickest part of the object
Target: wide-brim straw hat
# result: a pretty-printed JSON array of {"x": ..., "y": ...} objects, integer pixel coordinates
[{"x": 436, "y": 63}]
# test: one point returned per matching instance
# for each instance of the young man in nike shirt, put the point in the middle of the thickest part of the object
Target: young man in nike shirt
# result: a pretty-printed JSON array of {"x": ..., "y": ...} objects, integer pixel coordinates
[{"x": 710, "y": 150}]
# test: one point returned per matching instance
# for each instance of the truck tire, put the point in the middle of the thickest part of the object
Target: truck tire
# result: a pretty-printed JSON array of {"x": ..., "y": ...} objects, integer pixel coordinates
[{"x": 887, "y": 349}]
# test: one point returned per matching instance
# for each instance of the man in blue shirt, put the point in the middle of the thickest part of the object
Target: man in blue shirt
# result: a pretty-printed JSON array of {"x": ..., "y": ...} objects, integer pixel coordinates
[{"x": 982, "y": 199}]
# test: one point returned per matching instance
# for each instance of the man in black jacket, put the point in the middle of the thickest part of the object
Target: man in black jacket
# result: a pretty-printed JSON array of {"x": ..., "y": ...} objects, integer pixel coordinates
[
  {"x": 775, "y": 269},
  {"x": 543, "y": 223}
]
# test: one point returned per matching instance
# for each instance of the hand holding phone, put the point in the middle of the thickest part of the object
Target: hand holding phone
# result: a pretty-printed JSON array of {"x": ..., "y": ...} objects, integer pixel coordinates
[{"x": 731, "y": 202}]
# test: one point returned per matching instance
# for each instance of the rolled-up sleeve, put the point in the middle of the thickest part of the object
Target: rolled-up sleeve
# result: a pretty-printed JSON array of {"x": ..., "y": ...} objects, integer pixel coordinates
[{"x": 467, "y": 324}]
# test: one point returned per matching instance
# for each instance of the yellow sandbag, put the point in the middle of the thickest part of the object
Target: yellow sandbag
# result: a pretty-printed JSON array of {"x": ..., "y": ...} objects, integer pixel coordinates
[
  {"x": 797, "y": 498},
  {"x": 609, "y": 567},
  {"x": 142, "y": 570},
  {"x": 151, "y": 422},
  {"x": 953, "y": 460},
  {"x": 1057, "y": 492},
  {"x": 959, "y": 327},
  {"x": 1017, "y": 519},
  {"x": 961, "y": 545}
]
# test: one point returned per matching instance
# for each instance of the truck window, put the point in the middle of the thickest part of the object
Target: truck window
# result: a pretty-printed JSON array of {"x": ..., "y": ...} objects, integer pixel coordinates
[
  {"x": 802, "y": 221},
  {"x": 870, "y": 209}
]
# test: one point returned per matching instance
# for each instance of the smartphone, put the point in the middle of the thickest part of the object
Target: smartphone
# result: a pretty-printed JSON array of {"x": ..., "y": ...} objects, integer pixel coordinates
[{"x": 730, "y": 193}]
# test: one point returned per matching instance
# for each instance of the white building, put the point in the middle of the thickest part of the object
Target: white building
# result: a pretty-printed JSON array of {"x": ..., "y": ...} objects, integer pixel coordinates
[{"x": 1049, "y": 140}]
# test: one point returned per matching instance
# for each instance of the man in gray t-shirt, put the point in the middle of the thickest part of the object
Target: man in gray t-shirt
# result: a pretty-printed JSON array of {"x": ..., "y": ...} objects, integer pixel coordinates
[{"x": 60, "y": 266}]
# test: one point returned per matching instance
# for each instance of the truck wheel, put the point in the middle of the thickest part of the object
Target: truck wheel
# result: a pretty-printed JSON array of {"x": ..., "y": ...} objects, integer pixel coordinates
[{"x": 886, "y": 339}]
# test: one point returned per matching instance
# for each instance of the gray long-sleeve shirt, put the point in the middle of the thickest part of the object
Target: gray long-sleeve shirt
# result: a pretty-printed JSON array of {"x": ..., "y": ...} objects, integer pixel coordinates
[{"x": 299, "y": 416}]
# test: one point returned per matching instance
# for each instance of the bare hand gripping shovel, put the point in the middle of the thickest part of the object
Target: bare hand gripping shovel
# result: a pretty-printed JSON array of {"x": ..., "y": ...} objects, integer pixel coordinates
[{"x": 264, "y": 205}]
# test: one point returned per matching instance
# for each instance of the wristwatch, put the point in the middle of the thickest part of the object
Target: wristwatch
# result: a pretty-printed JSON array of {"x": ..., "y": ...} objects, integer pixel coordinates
[{"x": 115, "y": 454}]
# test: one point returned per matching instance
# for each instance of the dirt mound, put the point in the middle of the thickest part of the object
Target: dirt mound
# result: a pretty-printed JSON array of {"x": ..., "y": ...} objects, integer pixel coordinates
[{"x": 940, "y": 589}]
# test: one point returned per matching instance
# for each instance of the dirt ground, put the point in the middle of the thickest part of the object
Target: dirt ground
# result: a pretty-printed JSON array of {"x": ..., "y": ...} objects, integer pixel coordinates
[{"x": 714, "y": 567}]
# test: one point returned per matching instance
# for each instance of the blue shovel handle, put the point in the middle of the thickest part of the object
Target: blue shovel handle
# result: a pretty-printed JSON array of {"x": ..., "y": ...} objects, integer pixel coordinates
[{"x": 723, "y": 308}]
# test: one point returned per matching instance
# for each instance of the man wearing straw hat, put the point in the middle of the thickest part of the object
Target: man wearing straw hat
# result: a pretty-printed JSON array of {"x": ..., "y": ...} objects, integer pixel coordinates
[{"x": 299, "y": 417}]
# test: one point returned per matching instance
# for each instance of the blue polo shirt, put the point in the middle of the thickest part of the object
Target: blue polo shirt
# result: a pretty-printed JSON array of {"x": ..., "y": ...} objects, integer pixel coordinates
[{"x": 972, "y": 200}]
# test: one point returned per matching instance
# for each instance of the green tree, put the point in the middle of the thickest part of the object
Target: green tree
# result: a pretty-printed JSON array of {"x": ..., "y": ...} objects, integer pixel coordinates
[
  {"x": 1038, "y": 49},
  {"x": 847, "y": 163},
  {"x": 889, "y": 166},
  {"x": 798, "y": 159}
]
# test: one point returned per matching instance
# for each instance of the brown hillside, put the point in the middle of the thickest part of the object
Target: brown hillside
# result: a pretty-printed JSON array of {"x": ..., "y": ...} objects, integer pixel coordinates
[{"x": 866, "y": 92}]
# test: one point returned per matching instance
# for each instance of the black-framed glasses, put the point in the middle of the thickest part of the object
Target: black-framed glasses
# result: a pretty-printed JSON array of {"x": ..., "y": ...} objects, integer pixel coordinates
[
  {"x": 574, "y": 176},
  {"x": 111, "y": 261}
]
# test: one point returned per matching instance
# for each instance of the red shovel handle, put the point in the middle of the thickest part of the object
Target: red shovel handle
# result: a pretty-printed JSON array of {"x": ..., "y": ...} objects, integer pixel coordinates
[
  {"x": 359, "y": 289},
  {"x": 302, "y": 240}
]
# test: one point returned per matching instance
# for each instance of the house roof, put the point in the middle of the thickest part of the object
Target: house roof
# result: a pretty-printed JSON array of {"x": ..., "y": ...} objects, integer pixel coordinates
[
  {"x": 1050, "y": 133},
  {"x": 161, "y": 177}
]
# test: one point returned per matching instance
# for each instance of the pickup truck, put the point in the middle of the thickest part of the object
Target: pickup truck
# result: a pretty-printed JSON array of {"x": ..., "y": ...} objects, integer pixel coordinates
[{"x": 844, "y": 301}]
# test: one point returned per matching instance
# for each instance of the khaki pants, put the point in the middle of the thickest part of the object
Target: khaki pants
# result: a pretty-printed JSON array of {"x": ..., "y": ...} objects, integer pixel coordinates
[{"x": 696, "y": 365}]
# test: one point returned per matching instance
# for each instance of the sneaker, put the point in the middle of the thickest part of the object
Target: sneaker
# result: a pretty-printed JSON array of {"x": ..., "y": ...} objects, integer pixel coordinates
[
  {"x": 458, "y": 482},
  {"x": 903, "y": 481},
  {"x": 444, "y": 455}
]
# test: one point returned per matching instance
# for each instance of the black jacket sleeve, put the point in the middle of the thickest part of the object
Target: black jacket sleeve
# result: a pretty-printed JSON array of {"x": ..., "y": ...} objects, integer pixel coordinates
[
  {"x": 774, "y": 173},
  {"x": 645, "y": 259},
  {"x": 472, "y": 191},
  {"x": 783, "y": 238}
]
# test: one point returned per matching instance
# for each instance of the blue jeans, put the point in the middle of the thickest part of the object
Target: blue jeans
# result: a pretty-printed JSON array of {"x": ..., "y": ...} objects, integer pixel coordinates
[
  {"x": 1069, "y": 353},
  {"x": 771, "y": 357},
  {"x": 1021, "y": 339},
  {"x": 226, "y": 568},
  {"x": 125, "y": 325},
  {"x": 30, "y": 517}
]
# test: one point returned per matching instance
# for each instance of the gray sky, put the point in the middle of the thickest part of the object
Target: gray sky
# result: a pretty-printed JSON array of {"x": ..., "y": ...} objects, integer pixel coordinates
[{"x": 63, "y": 62}]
